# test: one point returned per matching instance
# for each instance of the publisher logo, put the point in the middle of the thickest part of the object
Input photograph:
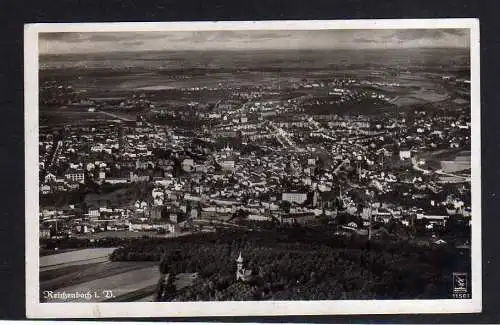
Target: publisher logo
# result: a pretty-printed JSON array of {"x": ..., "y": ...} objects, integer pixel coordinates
[{"x": 460, "y": 283}]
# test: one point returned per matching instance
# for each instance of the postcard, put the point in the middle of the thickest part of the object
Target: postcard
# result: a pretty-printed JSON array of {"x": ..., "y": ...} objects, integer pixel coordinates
[{"x": 252, "y": 168}]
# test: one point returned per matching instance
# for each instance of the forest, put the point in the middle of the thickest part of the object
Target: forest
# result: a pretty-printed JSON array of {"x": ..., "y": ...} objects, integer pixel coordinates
[{"x": 299, "y": 263}]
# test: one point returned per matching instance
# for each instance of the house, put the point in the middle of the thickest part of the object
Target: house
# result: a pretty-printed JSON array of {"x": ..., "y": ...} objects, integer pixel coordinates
[
  {"x": 298, "y": 218},
  {"x": 227, "y": 165},
  {"x": 188, "y": 165},
  {"x": 138, "y": 225},
  {"x": 140, "y": 164},
  {"x": 135, "y": 178},
  {"x": 82, "y": 229},
  {"x": 75, "y": 175},
  {"x": 298, "y": 198},
  {"x": 440, "y": 220},
  {"x": 72, "y": 186},
  {"x": 45, "y": 189},
  {"x": 156, "y": 212},
  {"x": 383, "y": 215},
  {"x": 50, "y": 177},
  {"x": 94, "y": 213},
  {"x": 259, "y": 217},
  {"x": 44, "y": 232},
  {"x": 116, "y": 180},
  {"x": 404, "y": 154},
  {"x": 140, "y": 204},
  {"x": 158, "y": 196}
]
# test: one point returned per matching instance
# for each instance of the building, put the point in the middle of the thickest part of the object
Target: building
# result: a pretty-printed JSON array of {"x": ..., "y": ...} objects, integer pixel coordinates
[
  {"x": 94, "y": 213},
  {"x": 135, "y": 178},
  {"x": 75, "y": 175},
  {"x": 188, "y": 165},
  {"x": 136, "y": 225},
  {"x": 404, "y": 154},
  {"x": 45, "y": 189},
  {"x": 44, "y": 232},
  {"x": 114, "y": 180},
  {"x": 50, "y": 177},
  {"x": 227, "y": 165},
  {"x": 298, "y": 198},
  {"x": 259, "y": 217},
  {"x": 156, "y": 212},
  {"x": 298, "y": 218},
  {"x": 158, "y": 196},
  {"x": 440, "y": 220},
  {"x": 242, "y": 273}
]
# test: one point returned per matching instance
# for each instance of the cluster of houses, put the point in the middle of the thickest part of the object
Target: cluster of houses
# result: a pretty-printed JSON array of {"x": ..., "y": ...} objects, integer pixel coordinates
[{"x": 197, "y": 175}]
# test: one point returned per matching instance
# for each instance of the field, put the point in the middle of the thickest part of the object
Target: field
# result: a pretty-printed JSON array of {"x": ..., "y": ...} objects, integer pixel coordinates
[
  {"x": 120, "y": 284},
  {"x": 458, "y": 163},
  {"x": 90, "y": 270},
  {"x": 78, "y": 257},
  {"x": 453, "y": 165},
  {"x": 449, "y": 160},
  {"x": 163, "y": 77},
  {"x": 63, "y": 116}
]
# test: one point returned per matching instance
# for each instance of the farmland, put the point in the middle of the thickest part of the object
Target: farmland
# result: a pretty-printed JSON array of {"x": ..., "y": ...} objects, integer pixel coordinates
[
  {"x": 79, "y": 257},
  {"x": 90, "y": 271}
]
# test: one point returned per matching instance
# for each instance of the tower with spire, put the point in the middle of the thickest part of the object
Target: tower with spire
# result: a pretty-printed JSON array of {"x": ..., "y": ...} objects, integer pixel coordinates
[
  {"x": 241, "y": 273},
  {"x": 239, "y": 267}
]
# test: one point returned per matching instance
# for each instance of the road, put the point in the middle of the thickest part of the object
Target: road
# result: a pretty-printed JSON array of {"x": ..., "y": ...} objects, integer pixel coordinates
[
  {"x": 55, "y": 154},
  {"x": 336, "y": 170},
  {"x": 320, "y": 129},
  {"x": 441, "y": 172},
  {"x": 417, "y": 167},
  {"x": 282, "y": 135}
]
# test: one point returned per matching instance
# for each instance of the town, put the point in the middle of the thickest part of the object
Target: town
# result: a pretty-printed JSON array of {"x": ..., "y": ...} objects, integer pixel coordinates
[{"x": 272, "y": 154}]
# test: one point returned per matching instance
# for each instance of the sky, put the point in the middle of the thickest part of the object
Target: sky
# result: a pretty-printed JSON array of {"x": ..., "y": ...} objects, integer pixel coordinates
[{"x": 102, "y": 42}]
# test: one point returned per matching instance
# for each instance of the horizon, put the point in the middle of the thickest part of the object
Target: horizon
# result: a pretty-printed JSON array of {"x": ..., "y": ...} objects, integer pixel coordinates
[
  {"x": 251, "y": 40},
  {"x": 255, "y": 51}
]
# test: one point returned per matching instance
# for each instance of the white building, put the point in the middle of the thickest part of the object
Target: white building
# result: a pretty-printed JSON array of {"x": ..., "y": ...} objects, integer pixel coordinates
[
  {"x": 404, "y": 154},
  {"x": 298, "y": 198},
  {"x": 158, "y": 196},
  {"x": 188, "y": 165},
  {"x": 143, "y": 226},
  {"x": 75, "y": 175},
  {"x": 227, "y": 165},
  {"x": 258, "y": 217}
]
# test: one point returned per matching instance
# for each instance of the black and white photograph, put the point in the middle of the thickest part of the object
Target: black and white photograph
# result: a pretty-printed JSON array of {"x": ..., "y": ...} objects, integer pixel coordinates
[{"x": 253, "y": 168}]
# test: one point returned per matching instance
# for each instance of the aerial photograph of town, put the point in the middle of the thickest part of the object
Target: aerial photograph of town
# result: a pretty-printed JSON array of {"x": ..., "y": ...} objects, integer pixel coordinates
[{"x": 254, "y": 165}]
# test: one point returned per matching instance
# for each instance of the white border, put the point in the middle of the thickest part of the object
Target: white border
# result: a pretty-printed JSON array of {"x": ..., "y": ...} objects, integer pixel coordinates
[{"x": 35, "y": 309}]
